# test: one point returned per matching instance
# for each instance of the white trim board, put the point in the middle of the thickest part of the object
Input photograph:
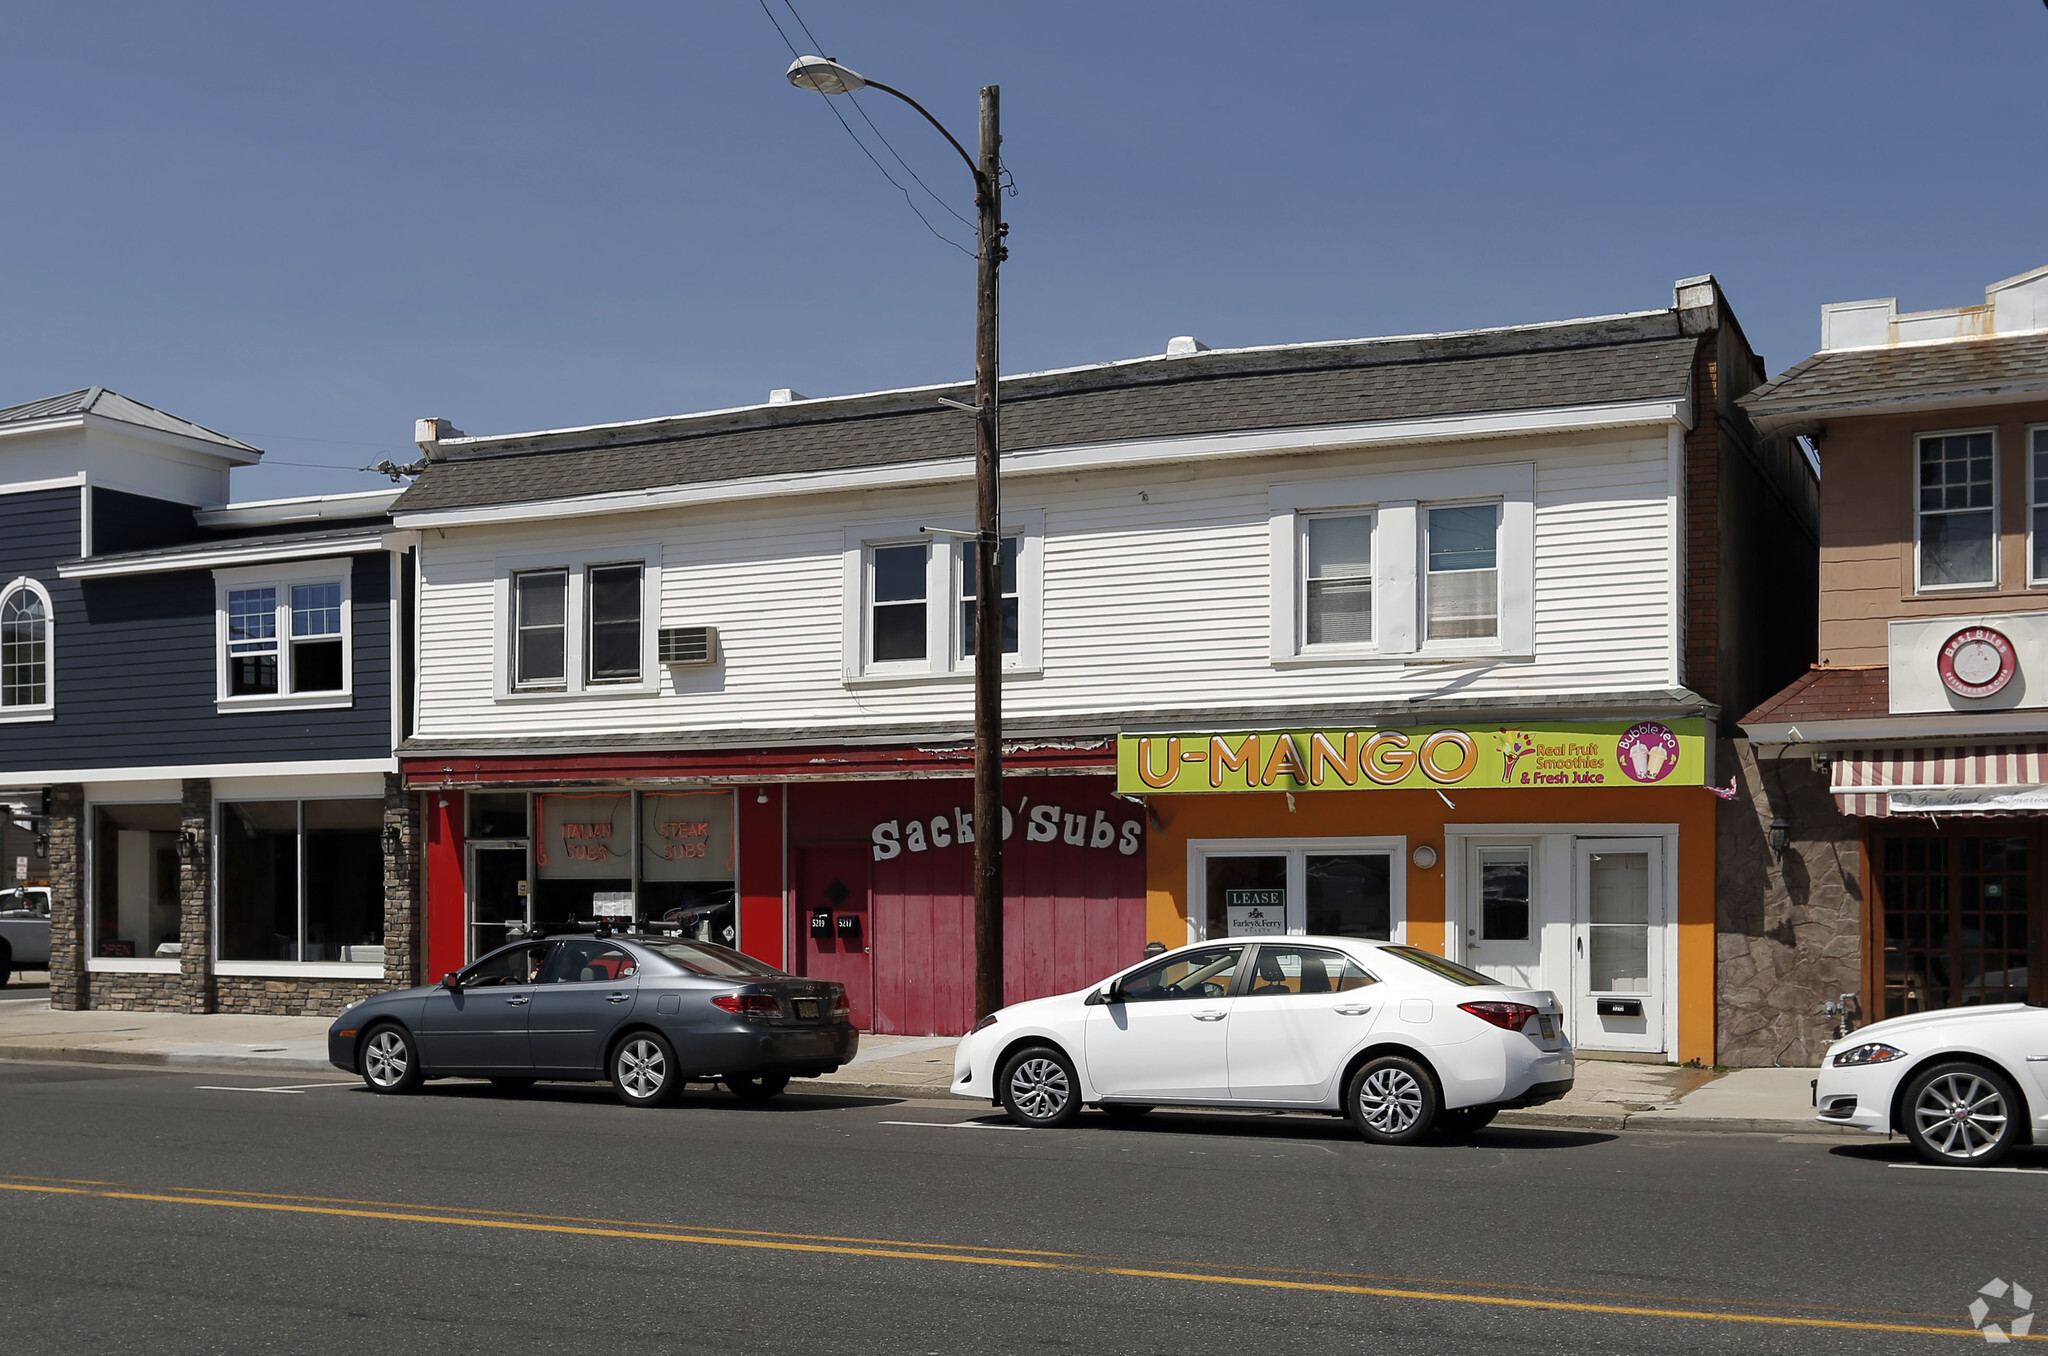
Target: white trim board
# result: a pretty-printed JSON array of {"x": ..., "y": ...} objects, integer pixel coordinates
[
  {"x": 226, "y": 556},
  {"x": 1082, "y": 457},
  {"x": 111, "y": 775}
]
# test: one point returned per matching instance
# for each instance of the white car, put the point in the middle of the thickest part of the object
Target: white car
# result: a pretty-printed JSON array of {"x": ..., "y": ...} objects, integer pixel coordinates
[
  {"x": 1963, "y": 1085},
  {"x": 1402, "y": 1041}
]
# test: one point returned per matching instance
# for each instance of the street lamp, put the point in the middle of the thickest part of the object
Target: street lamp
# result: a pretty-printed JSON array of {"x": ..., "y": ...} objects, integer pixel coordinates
[{"x": 829, "y": 77}]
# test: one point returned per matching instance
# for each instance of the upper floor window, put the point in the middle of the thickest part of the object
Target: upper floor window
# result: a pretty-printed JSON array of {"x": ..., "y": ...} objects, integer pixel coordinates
[
  {"x": 284, "y": 638},
  {"x": 577, "y": 626},
  {"x": 1958, "y": 505},
  {"x": 910, "y": 599},
  {"x": 25, "y": 685},
  {"x": 1463, "y": 583},
  {"x": 2038, "y": 479},
  {"x": 1336, "y": 588}
]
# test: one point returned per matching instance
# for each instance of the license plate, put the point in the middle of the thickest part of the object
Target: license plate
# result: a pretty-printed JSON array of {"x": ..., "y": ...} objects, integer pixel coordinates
[
  {"x": 1547, "y": 1027},
  {"x": 807, "y": 1009}
]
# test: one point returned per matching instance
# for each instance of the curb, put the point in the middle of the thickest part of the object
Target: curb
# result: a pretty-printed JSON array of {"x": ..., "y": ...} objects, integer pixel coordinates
[{"x": 159, "y": 1059}]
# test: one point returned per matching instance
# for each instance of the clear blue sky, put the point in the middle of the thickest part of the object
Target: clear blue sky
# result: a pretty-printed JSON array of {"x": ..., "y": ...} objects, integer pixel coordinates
[{"x": 307, "y": 225}]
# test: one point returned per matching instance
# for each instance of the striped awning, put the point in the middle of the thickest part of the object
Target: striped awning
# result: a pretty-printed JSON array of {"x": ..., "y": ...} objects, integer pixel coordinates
[{"x": 1973, "y": 779}]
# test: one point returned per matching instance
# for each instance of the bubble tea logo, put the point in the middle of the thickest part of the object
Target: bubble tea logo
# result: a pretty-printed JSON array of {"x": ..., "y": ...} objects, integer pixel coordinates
[
  {"x": 2016, "y": 1325},
  {"x": 1647, "y": 753}
]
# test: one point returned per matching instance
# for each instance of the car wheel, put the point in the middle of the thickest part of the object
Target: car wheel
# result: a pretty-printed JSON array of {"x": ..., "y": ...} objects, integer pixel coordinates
[
  {"x": 1465, "y": 1120},
  {"x": 756, "y": 1088},
  {"x": 6, "y": 964},
  {"x": 1962, "y": 1113},
  {"x": 644, "y": 1070},
  {"x": 513, "y": 1084},
  {"x": 1039, "y": 1089},
  {"x": 390, "y": 1060},
  {"x": 1392, "y": 1100},
  {"x": 1123, "y": 1111}
]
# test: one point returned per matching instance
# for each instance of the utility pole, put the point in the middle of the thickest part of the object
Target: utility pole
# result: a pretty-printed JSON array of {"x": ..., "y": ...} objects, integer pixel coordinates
[{"x": 988, "y": 571}]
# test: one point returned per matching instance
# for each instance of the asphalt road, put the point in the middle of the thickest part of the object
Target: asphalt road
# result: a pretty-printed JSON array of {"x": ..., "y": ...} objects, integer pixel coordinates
[{"x": 181, "y": 1212}]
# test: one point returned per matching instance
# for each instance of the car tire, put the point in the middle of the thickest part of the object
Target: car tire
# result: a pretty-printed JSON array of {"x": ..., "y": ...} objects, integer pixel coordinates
[
  {"x": 1960, "y": 1113},
  {"x": 1124, "y": 1111},
  {"x": 1392, "y": 1100},
  {"x": 513, "y": 1084},
  {"x": 756, "y": 1087},
  {"x": 1039, "y": 1089},
  {"x": 390, "y": 1060},
  {"x": 6, "y": 964},
  {"x": 643, "y": 1070},
  {"x": 1465, "y": 1120}
]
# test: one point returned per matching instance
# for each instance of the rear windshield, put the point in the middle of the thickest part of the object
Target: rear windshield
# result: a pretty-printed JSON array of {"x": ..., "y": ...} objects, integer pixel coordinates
[
  {"x": 1437, "y": 965},
  {"x": 705, "y": 959}
]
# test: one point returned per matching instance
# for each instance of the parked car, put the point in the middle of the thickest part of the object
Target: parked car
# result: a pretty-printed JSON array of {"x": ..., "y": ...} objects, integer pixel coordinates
[
  {"x": 1402, "y": 1041},
  {"x": 1964, "y": 1085},
  {"x": 24, "y": 929},
  {"x": 648, "y": 1012}
]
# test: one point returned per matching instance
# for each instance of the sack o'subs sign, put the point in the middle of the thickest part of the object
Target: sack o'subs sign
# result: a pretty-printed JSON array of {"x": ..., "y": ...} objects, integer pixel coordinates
[{"x": 1976, "y": 662}]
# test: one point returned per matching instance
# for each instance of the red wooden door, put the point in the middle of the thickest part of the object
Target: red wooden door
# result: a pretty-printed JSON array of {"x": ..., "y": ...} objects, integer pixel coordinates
[{"x": 832, "y": 924}]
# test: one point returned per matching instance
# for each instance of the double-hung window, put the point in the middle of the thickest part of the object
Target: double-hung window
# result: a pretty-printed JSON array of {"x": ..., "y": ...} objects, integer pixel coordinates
[
  {"x": 2037, "y": 478},
  {"x": 284, "y": 638},
  {"x": 1336, "y": 590},
  {"x": 577, "y": 626},
  {"x": 1009, "y": 603},
  {"x": 1462, "y": 587},
  {"x": 898, "y": 620},
  {"x": 25, "y": 685},
  {"x": 911, "y": 599},
  {"x": 1958, "y": 505}
]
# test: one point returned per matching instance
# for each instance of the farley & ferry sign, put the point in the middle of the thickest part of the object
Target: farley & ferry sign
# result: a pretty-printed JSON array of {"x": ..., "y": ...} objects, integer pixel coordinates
[{"x": 1533, "y": 754}]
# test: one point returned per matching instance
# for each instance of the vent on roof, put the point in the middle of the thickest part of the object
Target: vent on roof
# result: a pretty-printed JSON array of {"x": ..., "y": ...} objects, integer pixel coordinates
[
  {"x": 689, "y": 644},
  {"x": 1185, "y": 346},
  {"x": 783, "y": 395}
]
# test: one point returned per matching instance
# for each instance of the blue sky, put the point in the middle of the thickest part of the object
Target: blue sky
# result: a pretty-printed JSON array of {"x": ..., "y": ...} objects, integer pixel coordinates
[{"x": 309, "y": 225}]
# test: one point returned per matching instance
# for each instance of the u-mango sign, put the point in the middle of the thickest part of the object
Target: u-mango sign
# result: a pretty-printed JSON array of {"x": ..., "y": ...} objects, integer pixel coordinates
[{"x": 1534, "y": 755}]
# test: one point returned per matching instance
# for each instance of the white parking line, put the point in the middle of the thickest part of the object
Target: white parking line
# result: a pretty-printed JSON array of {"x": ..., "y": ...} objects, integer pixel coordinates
[
  {"x": 1945, "y": 1167},
  {"x": 953, "y": 1125},
  {"x": 294, "y": 1090}
]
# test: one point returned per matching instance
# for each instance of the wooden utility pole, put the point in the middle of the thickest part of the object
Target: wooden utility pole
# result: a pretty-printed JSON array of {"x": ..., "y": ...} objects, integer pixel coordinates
[{"x": 988, "y": 572}]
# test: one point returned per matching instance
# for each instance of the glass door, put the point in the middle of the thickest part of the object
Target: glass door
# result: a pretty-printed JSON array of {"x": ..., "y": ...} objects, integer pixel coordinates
[
  {"x": 497, "y": 895},
  {"x": 1618, "y": 945},
  {"x": 1502, "y": 932}
]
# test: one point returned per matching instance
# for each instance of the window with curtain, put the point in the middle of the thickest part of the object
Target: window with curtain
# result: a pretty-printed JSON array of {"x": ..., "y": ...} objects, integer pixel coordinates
[
  {"x": 1463, "y": 578},
  {"x": 1337, "y": 582}
]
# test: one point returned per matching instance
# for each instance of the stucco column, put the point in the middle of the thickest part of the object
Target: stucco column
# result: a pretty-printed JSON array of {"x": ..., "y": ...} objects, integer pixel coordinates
[
  {"x": 404, "y": 899},
  {"x": 68, "y": 942},
  {"x": 195, "y": 899}
]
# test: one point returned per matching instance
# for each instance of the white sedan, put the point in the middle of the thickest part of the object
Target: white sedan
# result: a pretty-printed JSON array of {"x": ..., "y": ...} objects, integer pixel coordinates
[
  {"x": 1401, "y": 1040},
  {"x": 1963, "y": 1085}
]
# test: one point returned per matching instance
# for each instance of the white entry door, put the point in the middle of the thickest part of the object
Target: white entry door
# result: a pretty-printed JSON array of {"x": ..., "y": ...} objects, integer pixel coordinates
[
  {"x": 1619, "y": 917},
  {"x": 1503, "y": 928}
]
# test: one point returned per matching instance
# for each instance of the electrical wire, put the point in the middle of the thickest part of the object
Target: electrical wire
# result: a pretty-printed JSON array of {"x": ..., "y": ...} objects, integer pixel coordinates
[{"x": 908, "y": 200}]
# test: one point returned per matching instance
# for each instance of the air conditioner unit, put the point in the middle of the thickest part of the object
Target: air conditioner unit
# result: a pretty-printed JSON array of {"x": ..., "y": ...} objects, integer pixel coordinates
[{"x": 689, "y": 644}]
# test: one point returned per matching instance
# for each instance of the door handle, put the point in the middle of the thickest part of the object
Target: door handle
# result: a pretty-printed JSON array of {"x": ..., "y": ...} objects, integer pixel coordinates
[
  {"x": 1210, "y": 1016},
  {"x": 519, "y": 1002},
  {"x": 616, "y": 997},
  {"x": 1580, "y": 942},
  {"x": 1355, "y": 1011}
]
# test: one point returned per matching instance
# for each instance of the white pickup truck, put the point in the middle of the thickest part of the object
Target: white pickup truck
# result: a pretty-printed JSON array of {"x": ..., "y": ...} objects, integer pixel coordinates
[{"x": 24, "y": 929}]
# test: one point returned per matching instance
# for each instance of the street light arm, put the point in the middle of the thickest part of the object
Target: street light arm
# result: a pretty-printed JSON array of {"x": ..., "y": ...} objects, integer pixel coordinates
[{"x": 972, "y": 168}]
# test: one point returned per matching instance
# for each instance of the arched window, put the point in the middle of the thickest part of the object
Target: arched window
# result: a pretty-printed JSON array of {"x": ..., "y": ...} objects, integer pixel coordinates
[{"x": 24, "y": 648}]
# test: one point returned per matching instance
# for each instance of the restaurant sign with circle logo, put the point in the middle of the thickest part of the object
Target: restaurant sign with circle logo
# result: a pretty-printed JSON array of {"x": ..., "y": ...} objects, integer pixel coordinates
[{"x": 1977, "y": 661}]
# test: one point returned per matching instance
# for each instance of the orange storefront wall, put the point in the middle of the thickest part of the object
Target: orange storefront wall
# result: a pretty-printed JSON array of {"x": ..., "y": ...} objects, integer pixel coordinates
[{"x": 1420, "y": 816}]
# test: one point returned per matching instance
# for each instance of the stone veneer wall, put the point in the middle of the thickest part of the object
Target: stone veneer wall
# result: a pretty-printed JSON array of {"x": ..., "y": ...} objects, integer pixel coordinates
[
  {"x": 291, "y": 997},
  {"x": 1789, "y": 930},
  {"x": 67, "y": 898},
  {"x": 405, "y": 894},
  {"x": 195, "y": 897}
]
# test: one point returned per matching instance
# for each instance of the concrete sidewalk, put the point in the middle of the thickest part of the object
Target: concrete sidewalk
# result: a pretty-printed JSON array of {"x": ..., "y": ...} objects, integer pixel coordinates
[{"x": 1608, "y": 1095}]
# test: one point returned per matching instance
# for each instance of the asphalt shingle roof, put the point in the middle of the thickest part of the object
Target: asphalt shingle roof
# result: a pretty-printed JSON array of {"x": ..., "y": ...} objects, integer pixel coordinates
[
  {"x": 1371, "y": 381},
  {"x": 1846, "y": 380},
  {"x": 113, "y": 405},
  {"x": 1828, "y": 693}
]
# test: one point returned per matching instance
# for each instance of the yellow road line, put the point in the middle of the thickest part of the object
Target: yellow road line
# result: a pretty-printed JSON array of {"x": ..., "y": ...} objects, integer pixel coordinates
[{"x": 942, "y": 1253}]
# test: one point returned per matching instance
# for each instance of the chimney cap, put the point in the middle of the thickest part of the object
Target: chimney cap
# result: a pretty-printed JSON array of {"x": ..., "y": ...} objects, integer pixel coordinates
[
  {"x": 428, "y": 433},
  {"x": 1184, "y": 346},
  {"x": 783, "y": 395}
]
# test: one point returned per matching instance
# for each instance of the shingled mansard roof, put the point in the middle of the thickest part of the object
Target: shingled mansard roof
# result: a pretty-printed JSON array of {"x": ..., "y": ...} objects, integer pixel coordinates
[
  {"x": 101, "y": 403},
  {"x": 1861, "y": 381},
  {"x": 1610, "y": 360}
]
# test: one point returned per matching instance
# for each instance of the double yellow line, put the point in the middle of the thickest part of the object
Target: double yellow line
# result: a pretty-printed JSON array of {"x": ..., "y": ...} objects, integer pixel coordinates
[{"x": 899, "y": 1250}]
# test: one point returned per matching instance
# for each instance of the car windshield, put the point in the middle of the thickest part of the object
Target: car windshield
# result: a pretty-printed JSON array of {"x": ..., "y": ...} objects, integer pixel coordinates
[
  {"x": 705, "y": 959},
  {"x": 1437, "y": 965}
]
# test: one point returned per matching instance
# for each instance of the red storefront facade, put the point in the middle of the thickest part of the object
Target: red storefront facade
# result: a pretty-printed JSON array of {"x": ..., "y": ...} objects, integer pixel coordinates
[{"x": 861, "y": 875}]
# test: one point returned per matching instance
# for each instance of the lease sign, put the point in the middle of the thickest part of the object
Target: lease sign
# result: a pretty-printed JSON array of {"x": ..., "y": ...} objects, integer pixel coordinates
[{"x": 1534, "y": 754}]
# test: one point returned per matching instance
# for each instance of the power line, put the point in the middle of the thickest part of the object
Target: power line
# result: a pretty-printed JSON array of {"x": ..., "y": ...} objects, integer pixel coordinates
[{"x": 908, "y": 200}]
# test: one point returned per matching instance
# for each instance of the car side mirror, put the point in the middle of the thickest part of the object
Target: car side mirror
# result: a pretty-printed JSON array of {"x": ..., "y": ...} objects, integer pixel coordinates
[
  {"x": 1103, "y": 996},
  {"x": 452, "y": 982}
]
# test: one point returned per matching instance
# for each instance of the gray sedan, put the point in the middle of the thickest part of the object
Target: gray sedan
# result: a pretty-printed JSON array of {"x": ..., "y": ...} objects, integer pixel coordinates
[{"x": 650, "y": 1013}]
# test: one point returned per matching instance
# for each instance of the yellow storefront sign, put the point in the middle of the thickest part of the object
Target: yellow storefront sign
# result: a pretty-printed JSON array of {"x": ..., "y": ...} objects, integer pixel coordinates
[{"x": 1535, "y": 755}]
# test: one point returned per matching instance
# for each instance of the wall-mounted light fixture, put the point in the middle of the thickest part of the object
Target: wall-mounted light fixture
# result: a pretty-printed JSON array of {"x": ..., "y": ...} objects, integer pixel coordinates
[
  {"x": 761, "y": 796},
  {"x": 394, "y": 842},
  {"x": 1424, "y": 857},
  {"x": 188, "y": 846},
  {"x": 1780, "y": 835}
]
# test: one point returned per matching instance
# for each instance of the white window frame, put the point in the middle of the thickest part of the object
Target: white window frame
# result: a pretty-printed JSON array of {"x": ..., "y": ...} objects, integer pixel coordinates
[
  {"x": 1302, "y": 521},
  {"x": 1913, "y": 482},
  {"x": 944, "y": 657},
  {"x": 146, "y": 965},
  {"x": 1297, "y": 852},
  {"x": 2036, "y": 445},
  {"x": 282, "y": 578},
  {"x": 1398, "y": 500},
  {"x": 216, "y": 907},
  {"x": 576, "y": 638},
  {"x": 1462, "y": 645},
  {"x": 47, "y": 708}
]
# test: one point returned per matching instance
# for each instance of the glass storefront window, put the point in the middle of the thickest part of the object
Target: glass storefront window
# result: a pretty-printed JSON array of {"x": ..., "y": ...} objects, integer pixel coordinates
[
  {"x": 135, "y": 880},
  {"x": 497, "y": 814},
  {"x": 584, "y": 849},
  {"x": 1330, "y": 887},
  {"x": 301, "y": 880},
  {"x": 687, "y": 871},
  {"x": 1247, "y": 896},
  {"x": 1351, "y": 895}
]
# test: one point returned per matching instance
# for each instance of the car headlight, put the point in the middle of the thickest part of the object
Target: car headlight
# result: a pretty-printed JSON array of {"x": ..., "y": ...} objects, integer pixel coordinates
[{"x": 1876, "y": 1052}]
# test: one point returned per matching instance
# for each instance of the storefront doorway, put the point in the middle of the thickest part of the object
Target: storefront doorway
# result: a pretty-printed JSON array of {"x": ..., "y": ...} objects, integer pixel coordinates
[
  {"x": 833, "y": 924},
  {"x": 1617, "y": 1000},
  {"x": 497, "y": 895},
  {"x": 1954, "y": 915}
]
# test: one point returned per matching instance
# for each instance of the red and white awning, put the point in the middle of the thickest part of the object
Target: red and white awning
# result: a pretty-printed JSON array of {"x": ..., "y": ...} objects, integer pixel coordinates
[{"x": 1975, "y": 779}]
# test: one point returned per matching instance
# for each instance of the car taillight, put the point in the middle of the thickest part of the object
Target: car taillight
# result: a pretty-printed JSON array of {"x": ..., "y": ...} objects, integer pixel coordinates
[
  {"x": 747, "y": 1003},
  {"x": 1506, "y": 1016},
  {"x": 839, "y": 1006}
]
